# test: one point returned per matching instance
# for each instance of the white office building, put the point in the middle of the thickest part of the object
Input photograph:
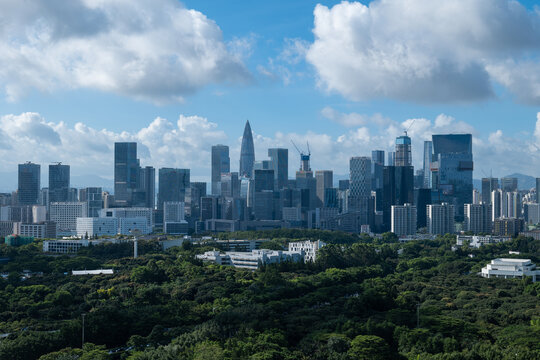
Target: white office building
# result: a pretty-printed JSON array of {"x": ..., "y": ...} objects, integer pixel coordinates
[
  {"x": 72, "y": 246},
  {"x": 127, "y": 225},
  {"x": 510, "y": 269},
  {"x": 308, "y": 249},
  {"x": 135, "y": 212},
  {"x": 477, "y": 241},
  {"x": 92, "y": 226},
  {"x": 65, "y": 215},
  {"x": 42, "y": 230},
  {"x": 440, "y": 219},
  {"x": 39, "y": 213},
  {"x": 173, "y": 211},
  {"x": 403, "y": 219},
  {"x": 250, "y": 260}
]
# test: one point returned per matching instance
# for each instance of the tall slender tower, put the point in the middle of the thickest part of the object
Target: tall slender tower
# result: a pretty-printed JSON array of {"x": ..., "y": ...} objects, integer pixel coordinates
[{"x": 247, "y": 152}]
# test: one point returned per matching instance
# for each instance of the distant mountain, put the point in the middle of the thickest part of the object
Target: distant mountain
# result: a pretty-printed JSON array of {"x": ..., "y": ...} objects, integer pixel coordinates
[{"x": 525, "y": 182}]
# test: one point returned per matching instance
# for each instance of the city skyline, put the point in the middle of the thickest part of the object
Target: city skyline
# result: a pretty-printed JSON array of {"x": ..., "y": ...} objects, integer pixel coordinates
[{"x": 271, "y": 73}]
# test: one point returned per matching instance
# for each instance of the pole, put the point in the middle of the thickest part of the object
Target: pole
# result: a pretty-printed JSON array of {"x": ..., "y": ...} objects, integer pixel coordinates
[{"x": 83, "y": 315}]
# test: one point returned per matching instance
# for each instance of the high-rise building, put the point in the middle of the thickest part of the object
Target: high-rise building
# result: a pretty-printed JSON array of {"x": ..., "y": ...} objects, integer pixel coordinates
[
  {"x": 403, "y": 156},
  {"x": 403, "y": 219},
  {"x": 391, "y": 158},
  {"x": 360, "y": 176},
  {"x": 422, "y": 198},
  {"x": 172, "y": 185},
  {"x": 325, "y": 180},
  {"x": 58, "y": 182},
  {"x": 247, "y": 153},
  {"x": 194, "y": 194},
  {"x": 280, "y": 164},
  {"x": 230, "y": 185},
  {"x": 512, "y": 205},
  {"x": 428, "y": 155},
  {"x": 497, "y": 204},
  {"x": 453, "y": 169},
  {"x": 440, "y": 219},
  {"x": 509, "y": 184},
  {"x": 65, "y": 215},
  {"x": 398, "y": 189},
  {"x": 221, "y": 164},
  {"x": 537, "y": 189},
  {"x": 126, "y": 172},
  {"x": 93, "y": 197},
  {"x": 477, "y": 218},
  {"x": 29, "y": 183},
  {"x": 148, "y": 186},
  {"x": 377, "y": 165},
  {"x": 488, "y": 185}
]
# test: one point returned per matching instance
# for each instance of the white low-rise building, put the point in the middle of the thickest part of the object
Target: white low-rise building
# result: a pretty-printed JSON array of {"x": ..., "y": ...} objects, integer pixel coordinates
[
  {"x": 91, "y": 226},
  {"x": 511, "y": 268},
  {"x": 477, "y": 240},
  {"x": 250, "y": 260},
  {"x": 71, "y": 246},
  {"x": 308, "y": 248},
  {"x": 127, "y": 225}
]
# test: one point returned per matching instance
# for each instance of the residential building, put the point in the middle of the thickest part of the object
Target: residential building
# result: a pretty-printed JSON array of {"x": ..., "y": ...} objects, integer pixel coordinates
[
  {"x": 507, "y": 226},
  {"x": 440, "y": 219},
  {"x": 477, "y": 218},
  {"x": 403, "y": 219},
  {"x": 308, "y": 248}
]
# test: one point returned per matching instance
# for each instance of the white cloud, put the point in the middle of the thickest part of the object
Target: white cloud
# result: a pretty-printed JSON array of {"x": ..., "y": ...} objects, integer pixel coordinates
[
  {"x": 158, "y": 50},
  {"x": 427, "y": 51},
  {"x": 186, "y": 143}
]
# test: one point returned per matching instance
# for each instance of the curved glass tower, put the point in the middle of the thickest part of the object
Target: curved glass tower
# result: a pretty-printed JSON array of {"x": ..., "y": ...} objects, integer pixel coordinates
[{"x": 247, "y": 152}]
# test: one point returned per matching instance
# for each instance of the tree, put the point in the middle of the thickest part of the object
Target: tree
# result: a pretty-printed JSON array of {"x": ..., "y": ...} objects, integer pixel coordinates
[{"x": 369, "y": 347}]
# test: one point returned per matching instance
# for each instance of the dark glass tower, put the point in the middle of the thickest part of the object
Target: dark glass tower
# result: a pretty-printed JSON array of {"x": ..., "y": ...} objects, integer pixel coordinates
[
  {"x": 172, "y": 185},
  {"x": 29, "y": 183},
  {"x": 221, "y": 164},
  {"x": 247, "y": 152},
  {"x": 280, "y": 164},
  {"x": 453, "y": 169},
  {"x": 126, "y": 172},
  {"x": 58, "y": 183}
]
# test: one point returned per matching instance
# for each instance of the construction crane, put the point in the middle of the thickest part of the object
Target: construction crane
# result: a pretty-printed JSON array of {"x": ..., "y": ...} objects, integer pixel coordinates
[
  {"x": 409, "y": 128},
  {"x": 304, "y": 158}
]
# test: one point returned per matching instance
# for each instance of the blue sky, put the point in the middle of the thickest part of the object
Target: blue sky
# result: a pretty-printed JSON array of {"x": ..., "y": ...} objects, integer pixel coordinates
[{"x": 348, "y": 77}]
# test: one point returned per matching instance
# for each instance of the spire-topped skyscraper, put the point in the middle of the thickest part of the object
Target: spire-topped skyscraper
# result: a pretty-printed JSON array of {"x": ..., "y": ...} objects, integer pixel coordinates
[{"x": 247, "y": 152}]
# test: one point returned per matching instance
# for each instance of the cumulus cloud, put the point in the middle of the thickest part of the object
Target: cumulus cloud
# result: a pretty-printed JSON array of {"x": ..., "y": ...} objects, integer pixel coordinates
[
  {"x": 427, "y": 51},
  {"x": 186, "y": 143},
  {"x": 158, "y": 50}
]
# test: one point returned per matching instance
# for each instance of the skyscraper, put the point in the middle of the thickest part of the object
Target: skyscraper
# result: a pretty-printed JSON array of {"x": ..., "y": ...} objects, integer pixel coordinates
[
  {"x": 403, "y": 155},
  {"x": 280, "y": 164},
  {"x": 221, "y": 164},
  {"x": 403, "y": 219},
  {"x": 398, "y": 189},
  {"x": 377, "y": 165},
  {"x": 126, "y": 172},
  {"x": 247, "y": 152},
  {"x": 391, "y": 158},
  {"x": 360, "y": 176},
  {"x": 172, "y": 185},
  {"x": 148, "y": 186},
  {"x": 325, "y": 180},
  {"x": 440, "y": 219},
  {"x": 29, "y": 183},
  {"x": 537, "y": 190},
  {"x": 509, "y": 184},
  {"x": 428, "y": 154},
  {"x": 453, "y": 169},
  {"x": 58, "y": 182},
  {"x": 488, "y": 185}
]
